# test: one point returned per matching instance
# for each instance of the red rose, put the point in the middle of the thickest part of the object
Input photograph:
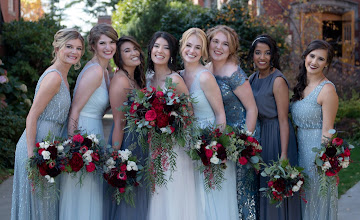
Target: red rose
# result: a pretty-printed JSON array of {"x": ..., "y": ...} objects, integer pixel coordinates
[
  {"x": 347, "y": 152},
  {"x": 95, "y": 156},
  {"x": 121, "y": 190},
  {"x": 330, "y": 173},
  {"x": 279, "y": 185},
  {"x": 134, "y": 107},
  {"x": 78, "y": 138},
  {"x": 172, "y": 129},
  {"x": 243, "y": 160},
  {"x": 252, "y": 140},
  {"x": 150, "y": 115},
  {"x": 91, "y": 167},
  {"x": 159, "y": 94},
  {"x": 337, "y": 141},
  {"x": 76, "y": 162},
  {"x": 162, "y": 120},
  {"x": 42, "y": 169},
  {"x": 37, "y": 145},
  {"x": 208, "y": 153},
  {"x": 157, "y": 105},
  {"x": 123, "y": 167},
  {"x": 323, "y": 157},
  {"x": 270, "y": 183},
  {"x": 40, "y": 150},
  {"x": 53, "y": 151}
]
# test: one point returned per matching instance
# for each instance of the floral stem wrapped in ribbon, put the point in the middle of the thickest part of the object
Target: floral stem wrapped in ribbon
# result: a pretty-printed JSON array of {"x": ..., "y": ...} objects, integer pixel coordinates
[
  {"x": 163, "y": 119},
  {"x": 122, "y": 171},
  {"x": 284, "y": 181},
  {"x": 211, "y": 149},
  {"x": 330, "y": 159}
]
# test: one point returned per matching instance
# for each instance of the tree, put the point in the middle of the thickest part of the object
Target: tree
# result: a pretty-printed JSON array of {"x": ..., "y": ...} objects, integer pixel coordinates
[{"x": 31, "y": 10}]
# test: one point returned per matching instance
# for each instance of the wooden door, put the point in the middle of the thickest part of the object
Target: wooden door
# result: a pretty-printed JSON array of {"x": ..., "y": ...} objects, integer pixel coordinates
[{"x": 348, "y": 38}]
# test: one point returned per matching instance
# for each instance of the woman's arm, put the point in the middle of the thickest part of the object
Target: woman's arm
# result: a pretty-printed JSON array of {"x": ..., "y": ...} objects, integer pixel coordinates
[
  {"x": 213, "y": 94},
  {"x": 50, "y": 85},
  {"x": 281, "y": 94},
  {"x": 119, "y": 88},
  {"x": 245, "y": 94},
  {"x": 90, "y": 81}
]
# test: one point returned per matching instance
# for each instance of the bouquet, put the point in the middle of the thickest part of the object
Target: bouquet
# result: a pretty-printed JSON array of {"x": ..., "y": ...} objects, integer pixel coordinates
[
  {"x": 82, "y": 154},
  {"x": 245, "y": 149},
  {"x": 330, "y": 159},
  {"x": 122, "y": 171},
  {"x": 284, "y": 181},
  {"x": 47, "y": 163},
  {"x": 211, "y": 150},
  {"x": 162, "y": 118}
]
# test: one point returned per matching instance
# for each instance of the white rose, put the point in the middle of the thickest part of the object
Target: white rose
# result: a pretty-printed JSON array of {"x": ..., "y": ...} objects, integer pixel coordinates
[
  {"x": 213, "y": 143},
  {"x": 345, "y": 163},
  {"x": 67, "y": 142},
  {"x": 44, "y": 145},
  {"x": 46, "y": 155},
  {"x": 93, "y": 138},
  {"x": 60, "y": 148},
  {"x": 292, "y": 176},
  {"x": 173, "y": 114},
  {"x": 214, "y": 160},
  {"x": 110, "y": 163},
  {"x": 326, "y": 166},
  {"x": 163, "y": 130},
  {"x": 295, "y": 188},
  {"x": 299, "y": 183},
  {"x": 128, "y": 168},
  {"x": 198, "y": 144}
]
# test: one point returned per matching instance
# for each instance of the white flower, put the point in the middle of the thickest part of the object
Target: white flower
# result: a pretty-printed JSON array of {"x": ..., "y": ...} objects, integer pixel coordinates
[
  {"x": 299, "y": 183},
  {"x": 294, "y": 174},
  {"x": 93, "y": 138},
  {"x": 50, "y": 179},
  {"x": 163, "y": 130},
  {"x": 326, "y": 166},
  {"x": 87, "y": 155},
  {"x": 295, "y": 188},
  {"x": 345, "y": 163},
  {"x": 213, "y": 143},
  {"x": 124, "y": 154},
  {"x": 248, "y": 133},
  {"x": 44, "y": 145},
  {"x": 60, "y": 148},
  {"x": 198, "y": 144},
  {"x": 214, "y": 160},
  {"x": 131, "y": 166},
  {"x": 173, "y": 114},
  {"x": 46, "y": 154},
  {"x": 110, "y": 163}
]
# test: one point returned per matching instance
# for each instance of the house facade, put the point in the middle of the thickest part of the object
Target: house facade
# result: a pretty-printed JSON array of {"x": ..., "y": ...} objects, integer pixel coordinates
[{"x": 9, "y": 11}]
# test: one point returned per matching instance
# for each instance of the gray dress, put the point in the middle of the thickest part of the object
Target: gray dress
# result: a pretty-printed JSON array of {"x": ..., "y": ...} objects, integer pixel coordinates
[
  {"x": 271, "y": 144},
  {"x": 307, "y": 115},
  {"x": 25, "y": 203}
]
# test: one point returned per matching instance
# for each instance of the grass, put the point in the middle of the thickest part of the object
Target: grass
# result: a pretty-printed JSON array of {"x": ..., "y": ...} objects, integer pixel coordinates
[
  {"x": 5, "y": 173},
  {"x": 351, "y": 175}
]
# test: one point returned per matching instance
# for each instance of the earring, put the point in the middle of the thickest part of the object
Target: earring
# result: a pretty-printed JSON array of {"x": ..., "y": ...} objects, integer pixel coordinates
[
  {"x": 171, "y": 60},
  {"x": 254, "y": 65},
  {"x": 77, "y": 65}
]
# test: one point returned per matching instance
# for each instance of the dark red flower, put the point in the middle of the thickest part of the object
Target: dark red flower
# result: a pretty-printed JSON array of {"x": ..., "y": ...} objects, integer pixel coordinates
[
  {"x": 252, "y": 140},
  {"x": 121, "y": 190},
  {"x": 150, "y": 115},
  {"x": 157, "y": 105},
  {"x": 123, "y": 167},
  {"x": 91, "y": 167},
  {"x": 37, "y": 145},
  {"x": 83, "y": 149},
  {"x": 131, "y": 174},
  {"x": 76, "y": 162},
  {"x": 87, "y": 142},
  {"x": 330, "y": 151},
  {"x": 78, "y": 138},
  {"x": 42, "y": 169},
  {"x": 162, "y": 120},
  {"x": 95, "y": 156},
  {"x": 270, "y": 183},
  {"x": 53, "y": 151},
  {"x": 221, "y": 152},
  {"x": 330, "y": 173},
  {"x": 337, "y": 141},
  {"x": 347, "y": 152},
  {"x": 279, "y": 185},
  {"x": 208, "y": 153},
  {"x": 243, "y": 160},
  {"x": 53, "y": 172},
  {"x": 134, "y": 107},
  {"x": 159, "y": 94}
]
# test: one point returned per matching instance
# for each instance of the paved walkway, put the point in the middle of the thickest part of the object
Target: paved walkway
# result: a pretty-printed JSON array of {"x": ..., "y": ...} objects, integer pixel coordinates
[{"x": 349, "y": 203}]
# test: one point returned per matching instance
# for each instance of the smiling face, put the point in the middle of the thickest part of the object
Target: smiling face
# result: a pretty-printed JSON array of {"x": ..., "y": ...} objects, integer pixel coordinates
[
  {"x": 262, "y": 56},
  {"x": 316, "y": 61},
  {"x": 130, "y": 55},
  {"x": 192, "y": 51},
  {"x": 160, "y": 53},
  {"x": 219, "y": 47},
  {"x": 105, "y": 47},
  {"x": 71, "y": 52}
]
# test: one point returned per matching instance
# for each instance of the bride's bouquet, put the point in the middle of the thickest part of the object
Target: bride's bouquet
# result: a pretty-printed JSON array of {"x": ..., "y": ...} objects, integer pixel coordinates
[
  {"x": 245, "y": 149},
  {"x": 122, "y": 171},
  {"x": 211, "y": 149},
  {"x": 163, "y": 119},
  {"x": 330, "y": 159},
  {"x": 284, "y": 181}
]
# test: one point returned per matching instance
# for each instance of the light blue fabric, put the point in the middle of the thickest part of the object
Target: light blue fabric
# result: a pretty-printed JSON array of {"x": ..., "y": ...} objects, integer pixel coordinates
[
  {"x": 307, "y": 116},
  {"x": 25, "y": 204},
  {"x": 85, "y": 201},
  {"x": 246, "y": 180}
]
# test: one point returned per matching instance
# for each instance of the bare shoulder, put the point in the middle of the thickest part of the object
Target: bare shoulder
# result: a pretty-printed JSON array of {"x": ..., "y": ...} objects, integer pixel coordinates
[
  {"x": 53, "y": 79},
  {"x": 119, "y": 81},
  {"x": 327, "y": 93},
  {"x": 279, "y": 81},
  {"x": 94, "y": 71},
  {"x": 207, "y": 77},
  {"x": 176, "y": 78}
]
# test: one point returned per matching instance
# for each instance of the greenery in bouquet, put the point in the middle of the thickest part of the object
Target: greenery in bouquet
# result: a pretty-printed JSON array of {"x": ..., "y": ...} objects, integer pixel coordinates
[
  {"x": 83, "y": 154},
  {"x": 284, "y": 181},
  {"x": 333, "y": 155},
  {"x": 163, "y": 119},
  {"x": 211, "y": 149},
  {"x": 245, "y": 149},
  {"x": 123, "y": 172},
  {"x": 46, "y": 164}
]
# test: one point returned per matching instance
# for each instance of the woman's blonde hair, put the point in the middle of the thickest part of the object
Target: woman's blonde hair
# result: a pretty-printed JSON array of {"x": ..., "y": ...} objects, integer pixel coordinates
[
  {"x": 97, "y": 31},
  {"x": 201, "y": 35},
  {"x": 232, "y": 37},
  {"x": 64, "y": 35}
]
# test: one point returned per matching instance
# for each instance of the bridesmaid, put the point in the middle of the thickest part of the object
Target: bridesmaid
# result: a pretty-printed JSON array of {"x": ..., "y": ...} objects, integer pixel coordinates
[
  {"x": 314, "y": 108},
  {"x": 240, "y": 109},
  {"x": 90, "y": 101},
  {"x": 271, "y": 92},
  {"x": 47, "y": 114},
  {"x": 176, "y": 201},
  {"x": 130, "y": 60}
]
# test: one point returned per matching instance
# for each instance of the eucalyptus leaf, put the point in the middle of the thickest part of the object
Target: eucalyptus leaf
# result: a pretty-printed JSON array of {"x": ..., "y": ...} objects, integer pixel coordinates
[{"x": 254, "y": 159}]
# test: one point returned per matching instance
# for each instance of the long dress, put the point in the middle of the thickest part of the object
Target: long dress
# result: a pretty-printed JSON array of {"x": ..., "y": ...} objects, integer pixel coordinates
[
  {"x": 176, "y": 200},
  {"x": 307, "y": 116},
  {"x": 246, "y": 180},
  {"x": 25, "y": 204},
  {"x": 216, "y": 204},
  {"x": 85, "y": 201},
  {"x": 271, "y": 144},
  {"x": 111, "y": 210}
]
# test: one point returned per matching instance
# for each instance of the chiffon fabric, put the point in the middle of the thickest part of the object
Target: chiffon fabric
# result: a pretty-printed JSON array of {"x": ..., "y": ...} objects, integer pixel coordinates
[
  {"x": 176, "y": 200},
  {"x": 307, "y": 116},
  {"x": 85, "y": 200},
  {"x": 111, "y": 210},
  {"x": 246, "y": 179},
  {"x": 26, "y": 204},
  {"x": 271, "y": 145}
]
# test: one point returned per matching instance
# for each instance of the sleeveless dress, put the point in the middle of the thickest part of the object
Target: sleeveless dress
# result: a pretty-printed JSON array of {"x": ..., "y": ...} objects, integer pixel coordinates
[
  {"x": 271, "y": 144},
  {"x": 176, "y": 200},
  {"x": 25, "y": 203},
  {"x": 246, "y": 180},
  {"x": 215, "y": 204},
  {"x": 85, "y": 201},
  {"x": 307, "y": 116}
]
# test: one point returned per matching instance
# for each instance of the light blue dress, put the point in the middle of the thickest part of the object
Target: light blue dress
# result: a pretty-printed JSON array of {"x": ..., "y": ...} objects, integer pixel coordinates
[
  {"x": 215, "y": 204},
  {"x": 85, "y": 201},
  {"x": 25, "y": 204},
  {"x": 246, "y": 180},
  {"x": 307, "y": 116}
]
